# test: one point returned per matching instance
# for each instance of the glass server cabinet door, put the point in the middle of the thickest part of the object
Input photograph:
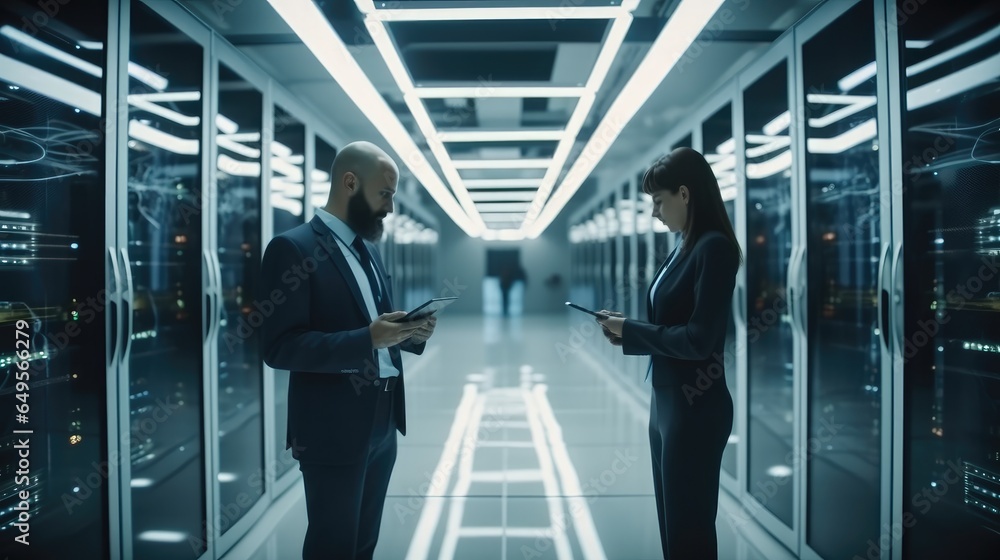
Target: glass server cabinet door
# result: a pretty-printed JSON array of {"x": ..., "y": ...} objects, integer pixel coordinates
[
  {"x": 164, "y": 244},
  {"x": 770, "y": 386},
  {"x": 951, "y": 221},
  {"x": 53, "y": 304},
  {"x": 843, "y": 253}
]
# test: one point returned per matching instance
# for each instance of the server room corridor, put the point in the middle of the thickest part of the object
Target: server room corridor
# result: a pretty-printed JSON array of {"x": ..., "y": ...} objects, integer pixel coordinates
[{"x": 522, "y": 443}]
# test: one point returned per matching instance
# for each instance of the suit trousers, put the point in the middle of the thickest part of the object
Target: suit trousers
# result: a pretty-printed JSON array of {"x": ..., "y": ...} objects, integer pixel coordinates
[
  {"x": 687, "y": 435},
  {"x": 344, "y": 502}
]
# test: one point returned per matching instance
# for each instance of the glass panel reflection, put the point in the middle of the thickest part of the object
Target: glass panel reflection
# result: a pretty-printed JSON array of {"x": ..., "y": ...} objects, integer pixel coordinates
[
  {"x": 287, "y": 201},
  {"x": 720, "y": 152},
  {"x": 164, "y": 244},
  {"x": 320, "y": 178},
  {"x": 52, "y": 301},
  {"x": 843, "y": 254},
  {"x": 241, "y": 425},
  {"x": 951, "y": 147},
  {"x": 769, "y": 335}
]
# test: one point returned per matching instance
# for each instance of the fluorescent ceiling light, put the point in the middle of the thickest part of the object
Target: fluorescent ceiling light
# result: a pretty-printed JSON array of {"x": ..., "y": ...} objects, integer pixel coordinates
[
  {"x": 503, "y": 235},
  {"x": 163, "y": 536},
  {"x": 168, "y": 96},
  {"x": 91, "y": 45},
  {"x": 238, "y": 168},
  {"x": 503, "y": 196},
  {"x": 681, "y": 30},
  {"x": 141, "y": 482},
  {"x": 502, "y": 163},
  {"x": 160, "y": 139},
  {"x": 312, "y": 27},
  {"x": 225, "y": 124},
  {"x": 147, "y": 76},
  {"x": 915, "y": 44},
  {"x": 727, "y": 147},
  {"x": 770, "y": 167},
  {"x": 768, "y": 144},
  {"x": 501, "y": 183},
  {"x": 231, "y": 142},
  {"x": 778, "y": 124},
  {"x": 504, "y": 13},
  {"x": 856, "y": 78},
  {"x": 51, "y": 86},
  {"x": 612, "y": 43},
  {"x": 954, "y": 52},
  {"x": 50, "y": 51},
  {"x": 839, "y": 144},
  {"x": 491, "y": 91},
  {"x": 139, "y": 102},
  {"x": 503, "y": 216},
  {"x": 498, "y": 207},
  {"x": 499, "y": 135},
  {"x": 853, "y": 104},
  {"x": 954, "y": 83}
]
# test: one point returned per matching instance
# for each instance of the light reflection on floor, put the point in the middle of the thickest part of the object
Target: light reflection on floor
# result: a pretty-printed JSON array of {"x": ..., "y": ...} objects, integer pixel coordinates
[{"x": 516, "y": 449}]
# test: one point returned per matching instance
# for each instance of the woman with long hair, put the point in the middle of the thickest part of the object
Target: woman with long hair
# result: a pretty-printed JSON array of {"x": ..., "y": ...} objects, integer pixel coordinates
[{"x": 689, "y": 302}]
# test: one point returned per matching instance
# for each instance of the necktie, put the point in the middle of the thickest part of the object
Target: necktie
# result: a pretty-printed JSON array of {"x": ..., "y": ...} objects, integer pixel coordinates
[{"x": 366, "y": 263}]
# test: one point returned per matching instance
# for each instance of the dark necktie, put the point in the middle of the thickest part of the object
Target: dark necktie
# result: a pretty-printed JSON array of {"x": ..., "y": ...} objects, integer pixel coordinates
[{"x": 366, "y": 263}]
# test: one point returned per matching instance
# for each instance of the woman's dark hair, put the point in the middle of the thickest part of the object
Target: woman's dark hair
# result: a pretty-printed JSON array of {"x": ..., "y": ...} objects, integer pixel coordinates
[{"x": 705, "y": 210}]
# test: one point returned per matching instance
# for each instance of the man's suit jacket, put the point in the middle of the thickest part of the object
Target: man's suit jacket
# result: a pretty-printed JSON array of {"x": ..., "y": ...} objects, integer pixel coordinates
[
  {"x": 689, "y": 314},
  {"x": 319, "y": 332}
]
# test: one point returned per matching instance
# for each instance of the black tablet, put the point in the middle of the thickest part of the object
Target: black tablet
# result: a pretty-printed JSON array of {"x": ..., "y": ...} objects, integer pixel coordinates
[
  {"x": 429, "y": 307},
  {"x": 585, "y": 310}
]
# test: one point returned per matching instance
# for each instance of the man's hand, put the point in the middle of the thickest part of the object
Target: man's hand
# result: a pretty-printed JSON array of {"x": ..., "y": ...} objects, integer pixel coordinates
[
  {"x": 386, "y": 333},
  {"x": 424, "y": 332},
  {"x": 612, "y": 324}
]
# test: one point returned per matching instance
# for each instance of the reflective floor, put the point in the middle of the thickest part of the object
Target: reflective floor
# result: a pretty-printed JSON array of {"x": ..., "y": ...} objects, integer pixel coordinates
[{"x": 522, "y": 444}]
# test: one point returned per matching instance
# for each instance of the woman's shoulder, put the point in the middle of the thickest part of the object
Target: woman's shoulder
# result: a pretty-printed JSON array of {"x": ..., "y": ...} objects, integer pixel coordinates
[{"x": 714, "y": 242}]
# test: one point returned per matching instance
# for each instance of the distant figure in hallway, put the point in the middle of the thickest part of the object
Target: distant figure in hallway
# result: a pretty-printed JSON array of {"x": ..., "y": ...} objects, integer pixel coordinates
[
  {"x": 509, "y": 275},
  {"x": 334, "y": 328},
  {"x": 688, "y": 305}
]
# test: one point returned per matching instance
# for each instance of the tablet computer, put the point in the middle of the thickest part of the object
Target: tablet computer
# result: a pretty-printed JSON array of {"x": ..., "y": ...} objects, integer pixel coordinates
[
  {"x": 585, "y": 310},
  {"x": 428, "y": 308}
]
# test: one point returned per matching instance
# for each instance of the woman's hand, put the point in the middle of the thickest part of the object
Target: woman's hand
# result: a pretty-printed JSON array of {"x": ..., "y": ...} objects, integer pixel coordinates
[{"x": 612, "y": 323}]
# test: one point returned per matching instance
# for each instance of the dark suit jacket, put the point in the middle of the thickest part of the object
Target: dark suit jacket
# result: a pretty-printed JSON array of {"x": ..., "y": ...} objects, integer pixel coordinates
[
  {"x": 686, "y": 334},
  {"x": 319, "y": 331}
]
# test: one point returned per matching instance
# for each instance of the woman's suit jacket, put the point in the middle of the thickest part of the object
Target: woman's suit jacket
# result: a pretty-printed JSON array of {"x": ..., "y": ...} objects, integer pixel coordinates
[{"x": 689, "y": 314}]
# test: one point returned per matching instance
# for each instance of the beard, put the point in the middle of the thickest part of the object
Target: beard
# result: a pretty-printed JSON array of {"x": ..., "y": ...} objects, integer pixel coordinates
[{"x": 363, "y": 219}]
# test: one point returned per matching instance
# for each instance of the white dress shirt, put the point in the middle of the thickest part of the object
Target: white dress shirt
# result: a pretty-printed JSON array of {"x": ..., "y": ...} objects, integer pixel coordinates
[{"x": 345, "y": 236}]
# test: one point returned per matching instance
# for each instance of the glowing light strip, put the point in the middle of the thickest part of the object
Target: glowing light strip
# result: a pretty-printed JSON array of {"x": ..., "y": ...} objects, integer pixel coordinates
[
  {"x": 225, "y": 124},
  {"x": 546, "y": 451},
  {"x": 169, "y": 114},
  {"x": 778, "y": 124},
  {"x": 427, "y": 525},
  {"x": 676, "y": 36},
  {"x": 231, "y": 142},
  {"x": 238, "y": 168},
  {"x": 160, "y": 139},
  {"x": 854, "y": 104},
  {"x": 954, "y": 83},
  {"x": 499, "y": 135},
  {"x": 856, "y": 78},
  {"x": 147, "y": 76},
  {"x": 463, "y": 481},
  {"x": 469, "y": 14},
  {"x": 586, "y": 531},
  {"x": 501, "y": 183},
  {"x": 768, "y": 144},
  {"x": 498, "y": 207},
  {"x": 610, "y": 48},
  {"x": 502, "y": 163},
  {"x": 503, "y": 235},
  {"x": 503, "y": 196},
  {"x": 50, "y": 51},
  {"x": 839, "y": 144},
  {"x": 773, "y": 166},
  {"x": 491, "y": 90},
  {"x": 51, "y": 86},
  {"x": 953, "y": 52},
  {"x": 312, "y": 27}
]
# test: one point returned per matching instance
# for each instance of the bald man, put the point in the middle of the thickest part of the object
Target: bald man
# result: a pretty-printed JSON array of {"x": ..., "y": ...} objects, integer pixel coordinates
[{"x": 333, "y": 327}]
